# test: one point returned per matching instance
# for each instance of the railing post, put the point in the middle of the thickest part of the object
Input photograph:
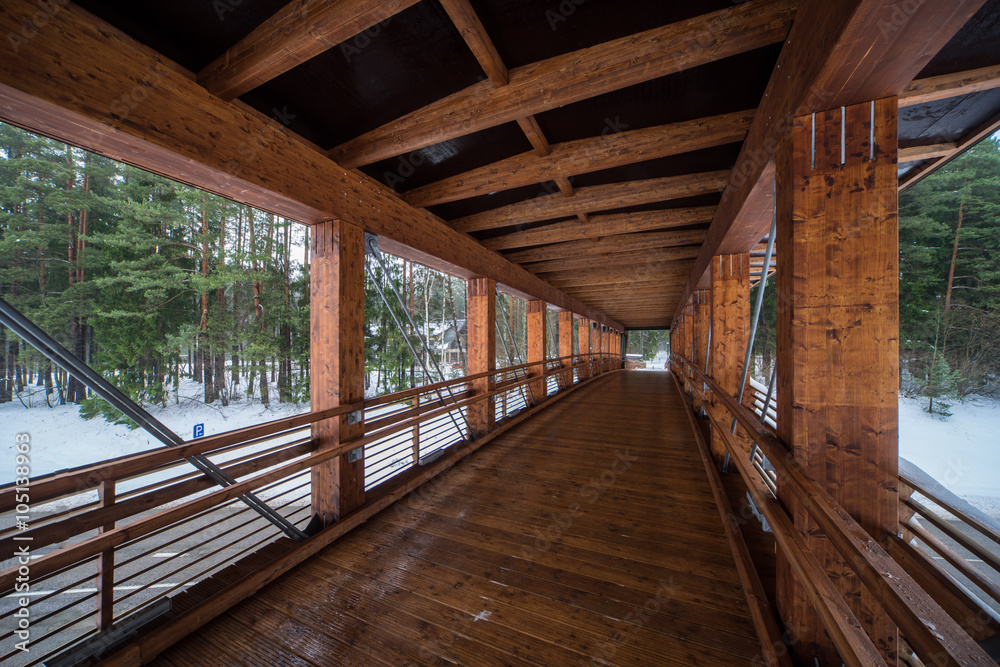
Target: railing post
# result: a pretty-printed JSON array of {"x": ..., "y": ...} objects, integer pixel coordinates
[
  {"x": 730, "y": 329},
  {"x": 837, "y": 333},
  {"x": 482, "y": 321},
  {"x": 106, "y": 564},
  {"x": 416, "y": 432},
  {"x": 337, "y": 362},
  {"x": 536, "y": 348}
]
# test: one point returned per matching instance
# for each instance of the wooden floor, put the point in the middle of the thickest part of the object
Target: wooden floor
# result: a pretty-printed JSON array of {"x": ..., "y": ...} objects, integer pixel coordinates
[{"x": 587, "y": 535}]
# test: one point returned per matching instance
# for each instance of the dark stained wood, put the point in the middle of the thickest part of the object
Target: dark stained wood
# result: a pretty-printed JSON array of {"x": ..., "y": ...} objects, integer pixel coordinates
[
  {"x": 482, "y": 345},
  {"x": 300, "y": 31},
  {"x": 587, "y": 155},
  {"x": 594, "y": 199},
  {"x": 135, "y": 106},
  {"x": 537, "y": 311},
  {"x": 602, "y": 225},
  {"x": 651, "y": 259},
  {"x": 838, "y": 338},
  {"x": 337, "y": 361},
  {"x": 730, "y": 316},
  {"x": 535, "y": 135},
  {"x": 577, "y": 76},
  {"x": 837, "y": 54}
]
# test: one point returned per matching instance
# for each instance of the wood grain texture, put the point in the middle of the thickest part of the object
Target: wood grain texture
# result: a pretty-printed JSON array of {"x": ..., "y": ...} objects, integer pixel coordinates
[
  {"x": 609, "y": 244},
  {"x": 837, "y": 54},
  {"x": 594, "y": 199},
  {"x": 585, "y": 342},
  {"x": 942, "y": 87},
  {"x": 587, "y": 155},
  {"x": 337, "y": 361},
  {"x": 838, "y": 331},
  {"x": 122, "y": 100},
  {"x": 482, "y": 349},
  {"x": 730, "y": 315},
  {"x": 576, "y": 76},
  {"x": 537, "y": 335},
  {"x": 566, "y": 345},
  {"x": 300, "y": 31}
]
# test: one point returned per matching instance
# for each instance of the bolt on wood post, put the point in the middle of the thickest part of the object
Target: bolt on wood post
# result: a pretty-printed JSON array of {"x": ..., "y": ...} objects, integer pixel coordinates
[
  {"x": 482, "y": 344},
  {"x": 536, "y": 348},
  {"x": 337, "y": 362},
  {"x": 730, "y": 316},
  {"x": 838, "y": 329}
]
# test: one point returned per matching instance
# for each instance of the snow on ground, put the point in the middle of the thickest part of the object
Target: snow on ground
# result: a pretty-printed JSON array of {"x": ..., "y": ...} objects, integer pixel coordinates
[
  {"x": 61, "y": 439},
  {"x": 962, "y": 452}
]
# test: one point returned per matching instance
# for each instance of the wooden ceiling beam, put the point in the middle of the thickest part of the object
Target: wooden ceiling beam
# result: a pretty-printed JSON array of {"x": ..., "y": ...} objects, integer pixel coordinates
[
  {"x": 587, "y": 155},
  {"x": 609, "y": 244},
  {"x": 576, "y": 76},
  {"x": 300, "y": 31},
  {"x": 956, "y": 84},
  {"x": 178, "y": 129},
  {"x": 913, "y": 176},
  {"x": 471, "y": 28},
  {"x": 594, "y": 199},
  {"x": 672, "y": 276},
  {"x": 650, "y": 258},
  {"x": 928, "y": 152},
  {"x": 602, "y": 225},
  {"x": 837, "y": 54}
]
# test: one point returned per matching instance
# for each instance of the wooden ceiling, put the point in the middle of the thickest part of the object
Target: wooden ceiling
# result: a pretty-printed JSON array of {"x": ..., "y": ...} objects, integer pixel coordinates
[{"x": 608, "y": 148}]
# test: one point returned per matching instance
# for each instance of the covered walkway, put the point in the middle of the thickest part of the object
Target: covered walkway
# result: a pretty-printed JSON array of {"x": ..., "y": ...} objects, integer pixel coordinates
[{"x": 587, "y": 533}]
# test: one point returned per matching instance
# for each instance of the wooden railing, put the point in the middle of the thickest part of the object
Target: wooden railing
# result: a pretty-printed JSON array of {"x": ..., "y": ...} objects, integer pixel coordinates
[
  {"x": 934, "y": 635},
  {"x": 108, "y": 540}
]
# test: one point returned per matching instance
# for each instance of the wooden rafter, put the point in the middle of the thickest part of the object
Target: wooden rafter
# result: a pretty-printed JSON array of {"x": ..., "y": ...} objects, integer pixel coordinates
[
  {"x": 300, "y": 31},
  {"x": 577, "y": 76},
  {"x": 602, "y": 225},
  {"x": 465, "y": 19},
  {"x": 594, "y": 199},
  {"x": 587, "y": 155},
  {"x": 928, "y": 152},
  {"x": 837, "y": 54},
  {"x": 942, "y": 87},
  {"x": 619, "y": 243},
  {"x": 173, "y": 130},
  {"x": 945, "y": 156},
  {"x": 536, "y": 138}
]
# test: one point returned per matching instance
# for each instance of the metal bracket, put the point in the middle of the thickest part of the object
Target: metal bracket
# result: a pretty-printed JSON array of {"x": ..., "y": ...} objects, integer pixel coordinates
[
  {"x": 355, "y": 455},
  {"x": 432, "y": 457},
  {"x": 371, "y": 244},
  {"x": 355, "y": 417}
]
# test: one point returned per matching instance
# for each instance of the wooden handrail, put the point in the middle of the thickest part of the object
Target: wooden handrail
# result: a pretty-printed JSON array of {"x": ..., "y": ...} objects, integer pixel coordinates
[{"x": 909, "y": 606}]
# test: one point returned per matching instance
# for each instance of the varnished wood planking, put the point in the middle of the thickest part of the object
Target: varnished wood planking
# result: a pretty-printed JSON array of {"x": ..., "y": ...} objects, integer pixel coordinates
[
  {"x": 414, "y": 585},
  {"x": 837, "y": 329},
  {"x": 337, "y": 319}
]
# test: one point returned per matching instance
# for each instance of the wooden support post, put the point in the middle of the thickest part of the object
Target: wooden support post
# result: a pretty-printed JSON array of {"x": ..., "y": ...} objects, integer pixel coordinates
[
  {"x": 106, "y": 564},
  {"x": 583, "y": 343},
  {"x": 536, "y": 347},
  {"x": 730, "y": 317},
  {"x": 838, "y": 328},
  {"x": 566, "y": 345},
  {"x": 337, "y": 361},
  {"x": 701, "y": 319},
  {"x": 482, "y": 327}
]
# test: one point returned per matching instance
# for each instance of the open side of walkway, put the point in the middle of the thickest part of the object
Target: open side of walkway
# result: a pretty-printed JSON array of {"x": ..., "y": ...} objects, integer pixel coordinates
[{"x": 587, "y": 535}]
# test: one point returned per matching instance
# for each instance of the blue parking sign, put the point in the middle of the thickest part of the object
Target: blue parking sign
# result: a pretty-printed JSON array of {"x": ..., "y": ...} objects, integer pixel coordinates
[{"x": 199, "y": 430}]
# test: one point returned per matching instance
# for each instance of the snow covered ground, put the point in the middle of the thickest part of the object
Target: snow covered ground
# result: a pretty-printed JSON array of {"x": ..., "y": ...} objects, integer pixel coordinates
[{"x": 962, "y": 452}]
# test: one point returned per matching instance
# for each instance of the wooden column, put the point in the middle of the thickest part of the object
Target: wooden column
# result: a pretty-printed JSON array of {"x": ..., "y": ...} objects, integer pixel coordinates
[
  {"x": 482, "y": 327},
  {"x": 583, "y": 342},
  {"x": 536, "y": 347},
  {"x": 730, "y": 317},
  {"x": 337, "y": 361},
  {"x": 701, "y": 319},
  {"x": 838, "y": 328},
  {"x": 566, "y": 344}
]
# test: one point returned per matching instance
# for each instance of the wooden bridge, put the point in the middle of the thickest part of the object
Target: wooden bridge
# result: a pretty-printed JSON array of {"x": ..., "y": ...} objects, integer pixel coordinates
[{"x": 629, "y": 165}]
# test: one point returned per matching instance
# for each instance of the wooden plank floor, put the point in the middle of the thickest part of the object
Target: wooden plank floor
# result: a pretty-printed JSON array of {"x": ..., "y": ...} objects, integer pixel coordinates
[{"x": 587, "y": 535}]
